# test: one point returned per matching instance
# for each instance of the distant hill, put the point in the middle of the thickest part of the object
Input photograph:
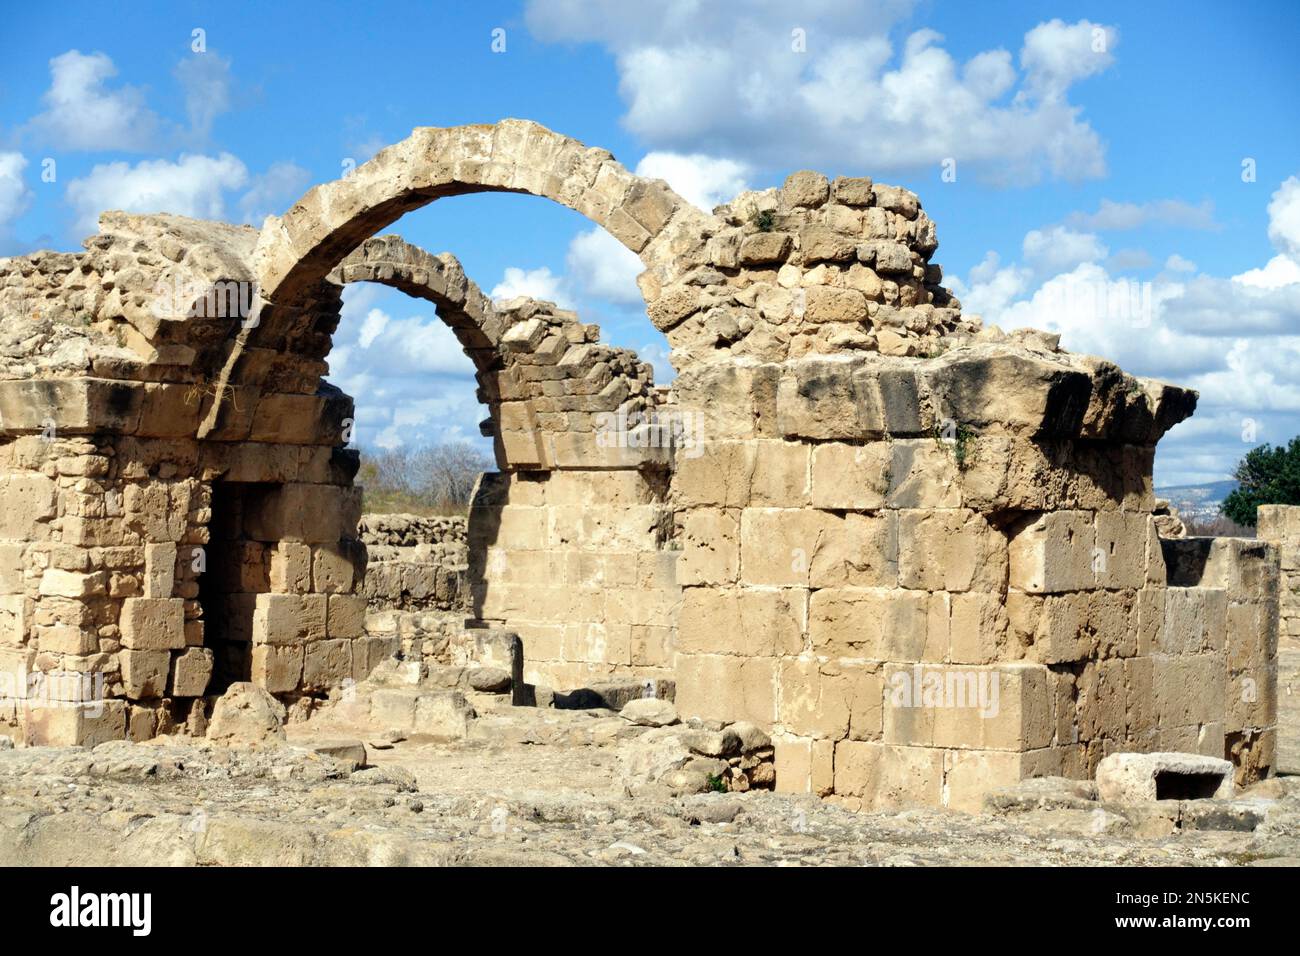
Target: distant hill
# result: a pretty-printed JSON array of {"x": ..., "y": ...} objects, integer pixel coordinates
[{"x": 1198, "y": 501}]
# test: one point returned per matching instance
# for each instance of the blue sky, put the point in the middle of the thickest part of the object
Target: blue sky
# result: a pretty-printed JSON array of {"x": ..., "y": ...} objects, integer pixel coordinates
[{"x": 1095, "y": 144}]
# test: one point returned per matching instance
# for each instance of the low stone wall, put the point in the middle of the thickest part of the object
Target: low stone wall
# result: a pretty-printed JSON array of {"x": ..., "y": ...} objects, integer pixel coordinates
[
  {"x": 1219, "y": 634},
  {"x": 415, "y": 563}
]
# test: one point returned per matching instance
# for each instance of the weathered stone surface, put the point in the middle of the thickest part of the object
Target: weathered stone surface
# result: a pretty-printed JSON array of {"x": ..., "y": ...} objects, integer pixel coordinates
[
  {"x": 1138, "y": 778},
  {"x": 246, "y": 715}
]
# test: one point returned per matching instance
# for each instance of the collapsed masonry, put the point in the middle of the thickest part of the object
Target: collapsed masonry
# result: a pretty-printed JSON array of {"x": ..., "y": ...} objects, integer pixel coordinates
[{"x": 854, "y": 513}]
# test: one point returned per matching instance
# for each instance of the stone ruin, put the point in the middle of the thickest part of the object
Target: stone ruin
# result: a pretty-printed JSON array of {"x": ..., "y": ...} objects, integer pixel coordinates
[{"x": 922, "y": 554}]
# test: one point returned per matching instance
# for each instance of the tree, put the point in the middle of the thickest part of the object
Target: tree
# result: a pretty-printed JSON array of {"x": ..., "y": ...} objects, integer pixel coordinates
[
  {"x": 428, "y": 479},
  {"x": 1269, "y": 476}
]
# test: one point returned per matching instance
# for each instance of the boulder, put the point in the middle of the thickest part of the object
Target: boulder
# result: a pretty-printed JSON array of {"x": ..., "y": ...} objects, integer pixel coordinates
[
  {"x": 650, "y": 712},
  {"x": 1140, "y": 778},
  {"x": 247, "y": 715}
]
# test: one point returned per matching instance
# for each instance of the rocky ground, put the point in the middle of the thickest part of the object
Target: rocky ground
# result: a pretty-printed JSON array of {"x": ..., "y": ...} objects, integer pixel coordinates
[{"x": 533, "y": 786}]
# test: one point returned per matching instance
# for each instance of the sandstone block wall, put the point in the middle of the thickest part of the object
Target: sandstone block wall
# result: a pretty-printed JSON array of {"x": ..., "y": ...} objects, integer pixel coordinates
[
  {"x": 415, "y": 563},
  {"x": 1280, "y": 525},
  {"x": 582, "y": 565},
  {"x": 881, "y": 511}
]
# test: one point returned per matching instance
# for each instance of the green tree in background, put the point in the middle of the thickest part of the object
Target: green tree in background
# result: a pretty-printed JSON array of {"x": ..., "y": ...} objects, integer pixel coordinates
[{"x": 1268, "y": 476}]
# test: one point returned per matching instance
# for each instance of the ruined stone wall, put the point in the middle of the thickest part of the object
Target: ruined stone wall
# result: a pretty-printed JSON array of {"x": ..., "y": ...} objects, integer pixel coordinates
[
  {"x": 1220, "y": 626},
  {"x": 582, "y": 566},
  {"x": 881, "y": 510},
  {"x": 415, "y": 563},
  {"x": 1280, "y": 525}
]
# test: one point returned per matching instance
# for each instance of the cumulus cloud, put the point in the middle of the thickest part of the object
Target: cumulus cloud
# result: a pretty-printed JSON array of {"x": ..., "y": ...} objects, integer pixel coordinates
[
  {"x": 84, "y": 109},
  {"x": 83, "y": 112},
  {"x": 1111, "y": 215},
  {"x": 835, "y": 91},
  {"x": 604, "y": 268},
  {"x": 409, "y": 377},
  {"x": 1234, "y": 339},
  {"x": 538, "y": 283},
  {"x": 706, "y": 181},
  {"x": 205, "y": 78},
  {"x": 1284, "y": 218},
  {"x": 15, "y": 197},
  {"x": 1059, "y": 248},
  {"x": 191, "y": 186}
]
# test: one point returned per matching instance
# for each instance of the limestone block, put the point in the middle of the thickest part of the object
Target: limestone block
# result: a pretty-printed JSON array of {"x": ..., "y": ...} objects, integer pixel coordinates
[
  {"x": 66, "y": 724},
  {"x": 289, "y": 618},
  {"x": 14, "y": 623},
  {"x": 311, "y": 514},
  {"x": 333, "y": 567},
  {"x": 780, "y": 477},
  {"x": 978, "y": 626},
  {"x": 191, "y": 671},
  {"x": 852, "y": 190},
  {"x": 881, "y": 624},
  {"x": 720, "y": 476},
  {"x": 58, "y": 583},
  {"x": 889, "y": 777},
  {"x": 805, "y": 188},
  {"x": 804, "y": 766},
  {"x": 949, "y": 549},
  {"x": 144, "y": 673},
  {"x": 67, "y": 639},
  {"x": 1140, "y": 778},
  {"x": 159, "y": 570},
  {"x": 1119, "y": 560},
  {"x": 326, "y": 664},
  {"x": 1053, "y": 553},
  {"x": 855, "y": 550},
  {"x": 1196, "y": 621},
  {"x": 850, "y": 477},
  {"x": 745, "y": 622},
  {"x": 970, "y": 775},
  {"x": 777, "y": 545},
  {"x": 829, "y": 700},
  {"x": 444, "y": 715},
  {"x": 995, "y": 707},
  {"x": 764, "y": 248},
  {"x": 290, "y": 570},
  {"x": 152, "y": 624},
  {"x": 277, "y": 669},
  {"x": 727, "y": 688},
  {"x": 12, "y": 563},
  {"x": 346, "y": 616},
  {"x": 710, "y": 547},
  {"x": 922, "y": 474}
]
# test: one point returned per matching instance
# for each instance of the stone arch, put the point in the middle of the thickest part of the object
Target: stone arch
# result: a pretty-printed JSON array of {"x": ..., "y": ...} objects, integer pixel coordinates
[
  {"x": 537, "y": 366},
  {"x": 296, "y": 252}
]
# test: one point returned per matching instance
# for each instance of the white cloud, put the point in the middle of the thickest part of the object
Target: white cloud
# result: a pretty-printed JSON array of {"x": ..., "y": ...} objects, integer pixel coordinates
[
  {"x": 732, "y": 81},
  {"x": 1112, "y": 215},
  {"x": 409, "y": 377},
  {"x": 81, "y": 112},
  {"x": 1284, "y": 218},
  {"x": 706, "y": 181},
  {"x": 1236, "y": 340},
  {"x": 1057, "y": 55},
  {"x": 603, "y": 268},
  {"x": 1059, "y": 248},
  {"x": 205, "y": 77},
  {"x": 273, "y": 191},
  {"x": 537, "y": 283},
  {"x": 375, "y": 322},
  {"x": 191, "y": 186},
  {"x": 15, "y": 197}
]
